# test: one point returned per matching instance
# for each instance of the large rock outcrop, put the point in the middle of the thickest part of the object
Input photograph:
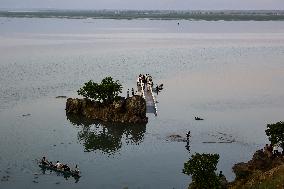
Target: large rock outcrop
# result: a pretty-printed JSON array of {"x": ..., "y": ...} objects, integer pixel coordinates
[
  {"x": 129, "y": 110},
  {"x": 261, "y": 171}
]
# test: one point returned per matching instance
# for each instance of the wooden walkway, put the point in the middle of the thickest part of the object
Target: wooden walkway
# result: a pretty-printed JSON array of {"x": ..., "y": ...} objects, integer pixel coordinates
[{"x": 148, "y": 95}]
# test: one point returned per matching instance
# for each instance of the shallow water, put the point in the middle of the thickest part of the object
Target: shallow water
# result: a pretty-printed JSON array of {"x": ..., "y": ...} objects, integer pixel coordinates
[{"x": 229, "y": 73}]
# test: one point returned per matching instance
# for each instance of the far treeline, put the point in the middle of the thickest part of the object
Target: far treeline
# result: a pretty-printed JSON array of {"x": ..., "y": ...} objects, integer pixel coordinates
[{"x": 209, "y": 15}]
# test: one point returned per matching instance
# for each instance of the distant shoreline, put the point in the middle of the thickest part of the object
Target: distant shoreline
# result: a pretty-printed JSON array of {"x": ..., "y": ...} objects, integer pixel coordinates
[{"x": 192, "y": 15}]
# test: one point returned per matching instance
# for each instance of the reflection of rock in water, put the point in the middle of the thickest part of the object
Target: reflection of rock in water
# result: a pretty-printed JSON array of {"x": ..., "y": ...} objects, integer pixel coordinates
[
  {"x": 107, "y": 137},
  {"x": 179, "y": 138}
]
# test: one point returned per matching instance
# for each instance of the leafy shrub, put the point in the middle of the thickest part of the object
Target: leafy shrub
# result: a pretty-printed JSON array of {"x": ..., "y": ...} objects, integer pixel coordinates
[
  {"x": 275, "y": 133},
  {"x": 107, "y": 91},
  {"x": 202, "y": 167}
]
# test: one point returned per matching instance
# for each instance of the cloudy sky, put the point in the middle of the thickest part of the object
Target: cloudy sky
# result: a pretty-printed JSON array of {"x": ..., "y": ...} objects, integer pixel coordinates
[{"x": 143, "y": 4}]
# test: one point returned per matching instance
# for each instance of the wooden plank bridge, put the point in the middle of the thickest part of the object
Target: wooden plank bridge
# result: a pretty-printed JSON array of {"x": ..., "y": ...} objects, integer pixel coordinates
[{"x": 147, "y": 93}]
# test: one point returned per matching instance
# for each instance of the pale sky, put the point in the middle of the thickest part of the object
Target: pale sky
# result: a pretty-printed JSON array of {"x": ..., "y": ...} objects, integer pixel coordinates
[{"x": 143, "y": 4}]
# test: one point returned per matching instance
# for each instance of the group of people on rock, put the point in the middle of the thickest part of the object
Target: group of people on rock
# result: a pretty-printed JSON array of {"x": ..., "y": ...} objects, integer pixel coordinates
[
  {"x": 58, "y": 165},
  {"x": 273, "y": 150},
  {"x": 132, "y": 92}
]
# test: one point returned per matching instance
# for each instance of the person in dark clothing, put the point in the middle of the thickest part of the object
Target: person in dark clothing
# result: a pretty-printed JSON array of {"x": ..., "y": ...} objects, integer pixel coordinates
[
  {"x": 157, "y": 89},
  {"x": 132, "y": 90},
  {"x": 66, "y": 167},
  {"x": 44, "y": 161},
  {"x": 187, "y": 136}
]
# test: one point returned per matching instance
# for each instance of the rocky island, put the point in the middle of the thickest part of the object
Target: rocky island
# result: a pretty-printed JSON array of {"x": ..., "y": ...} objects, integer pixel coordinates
[
  {"x": 102, "y": 102},
  {"x": 124, "y": 110}
]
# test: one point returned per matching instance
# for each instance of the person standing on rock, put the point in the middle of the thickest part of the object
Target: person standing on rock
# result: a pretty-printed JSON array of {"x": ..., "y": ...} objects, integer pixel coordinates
[
  {"x": 127, "y": 93},
  {"x": 132, "y": 90},
  {"x": 187, "y": 135}
]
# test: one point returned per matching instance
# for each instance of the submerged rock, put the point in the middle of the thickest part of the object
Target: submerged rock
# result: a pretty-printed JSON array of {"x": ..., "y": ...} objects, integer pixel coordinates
[
  {"x": 176, "y": 138},
  {"x": 61, "y": 97},
  {"x": 129, "y": 110}
]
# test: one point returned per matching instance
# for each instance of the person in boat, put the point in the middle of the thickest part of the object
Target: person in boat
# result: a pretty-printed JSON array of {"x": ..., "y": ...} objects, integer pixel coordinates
[
  {"x": 44, "y": 161},
  {"x": 198, "y": 118},
  {"x": 65, "y": 167},
  {"x": 76, "y": 170},
  {"x": 58, "y": 165},
  {"x": 51, "y": 164}
]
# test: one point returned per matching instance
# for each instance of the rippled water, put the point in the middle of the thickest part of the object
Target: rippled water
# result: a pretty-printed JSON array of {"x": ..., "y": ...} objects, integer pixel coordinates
[{"x": 229, "y": 73}]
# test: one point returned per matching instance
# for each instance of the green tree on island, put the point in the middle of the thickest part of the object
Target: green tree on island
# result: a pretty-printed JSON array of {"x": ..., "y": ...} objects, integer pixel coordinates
[
  {"x": 275, "y": 133},
  {"x": 107, "y": 91},
  {"x": 202, "y": 167}
]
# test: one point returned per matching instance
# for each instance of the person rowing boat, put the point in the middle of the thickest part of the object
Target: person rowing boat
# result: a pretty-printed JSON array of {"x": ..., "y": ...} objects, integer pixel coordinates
[
  {"x": 65, "y": 167},
  {"x": 44, "y": 161},
  {"x": 59, "y": 167},
  {"x": 77, "y": 171}
]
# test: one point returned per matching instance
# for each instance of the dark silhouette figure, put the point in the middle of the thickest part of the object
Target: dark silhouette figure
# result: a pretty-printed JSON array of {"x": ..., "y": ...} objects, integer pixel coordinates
[
  {"x": 157, "y": 89},
  {"x": 187, "y": 135},
  {"x": 187, "y": 146},
  {"x": 198, "y": 118},
  {"x": 127, "y": 93},
  {"x": 132, "y": 91}
]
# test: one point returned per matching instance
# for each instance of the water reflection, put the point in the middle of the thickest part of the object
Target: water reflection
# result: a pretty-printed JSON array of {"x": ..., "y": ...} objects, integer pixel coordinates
[
  {"x": 107, "y": 137},
  {"x": 65, "y": 175}
]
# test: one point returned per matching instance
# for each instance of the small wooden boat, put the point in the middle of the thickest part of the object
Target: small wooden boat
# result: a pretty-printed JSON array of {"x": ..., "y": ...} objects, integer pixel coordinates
[
  {"x": 198, "y": 118},
  {"x": 64, "y": 172}
]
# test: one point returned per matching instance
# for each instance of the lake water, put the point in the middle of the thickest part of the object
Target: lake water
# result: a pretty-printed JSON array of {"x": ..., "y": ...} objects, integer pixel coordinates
[{"x": 229, "y": 73}]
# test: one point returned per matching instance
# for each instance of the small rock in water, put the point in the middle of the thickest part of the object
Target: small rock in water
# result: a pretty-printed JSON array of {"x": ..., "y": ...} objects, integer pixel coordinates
[
  {"x": 61, "y": 97},
  {"x": 25, "y": 115},
  {"x": 176, "y": 138},
  {"x": 57, "y": 183},
  {"x": 34, "y": 181},
  {"x": 5, "y": 178}
]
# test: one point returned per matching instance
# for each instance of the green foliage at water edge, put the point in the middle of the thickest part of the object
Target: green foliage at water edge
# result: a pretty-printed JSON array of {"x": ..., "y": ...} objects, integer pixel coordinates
[{"x": 202, "y": 167}]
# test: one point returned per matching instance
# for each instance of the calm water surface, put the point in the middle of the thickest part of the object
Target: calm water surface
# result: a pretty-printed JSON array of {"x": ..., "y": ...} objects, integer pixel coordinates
[{"x": 230, "y": 73}]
